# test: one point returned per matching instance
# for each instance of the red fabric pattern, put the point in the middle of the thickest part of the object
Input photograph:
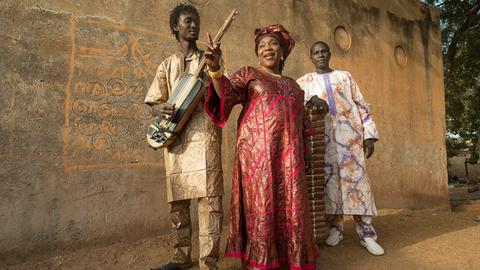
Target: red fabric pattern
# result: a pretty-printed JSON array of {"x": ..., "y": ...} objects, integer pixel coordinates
[{"x": 270, "y": 222}]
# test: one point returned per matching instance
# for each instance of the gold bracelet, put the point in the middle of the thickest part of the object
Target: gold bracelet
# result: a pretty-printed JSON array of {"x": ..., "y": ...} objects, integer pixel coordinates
[{"x": 216, "y": 74}]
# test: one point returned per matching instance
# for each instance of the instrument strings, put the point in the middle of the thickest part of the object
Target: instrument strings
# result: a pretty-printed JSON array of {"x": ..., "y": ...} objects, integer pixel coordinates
[{"x": 164, "y": 123}]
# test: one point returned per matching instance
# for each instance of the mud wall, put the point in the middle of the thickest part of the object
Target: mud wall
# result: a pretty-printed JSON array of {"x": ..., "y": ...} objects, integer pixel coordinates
[
  {"x": 75, "y": 168},
  {"x": 457, "y": 168}
]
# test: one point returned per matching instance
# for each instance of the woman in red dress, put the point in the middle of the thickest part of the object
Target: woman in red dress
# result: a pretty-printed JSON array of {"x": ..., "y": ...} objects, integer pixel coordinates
[{"x": 270, "y": 224}]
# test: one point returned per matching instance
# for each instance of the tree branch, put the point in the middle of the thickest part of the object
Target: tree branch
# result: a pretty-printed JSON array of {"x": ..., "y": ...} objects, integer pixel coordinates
[{"x": 472, "y": 18}]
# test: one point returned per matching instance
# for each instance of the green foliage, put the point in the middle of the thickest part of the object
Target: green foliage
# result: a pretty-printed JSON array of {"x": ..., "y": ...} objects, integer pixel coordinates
[{"x": 460, "y": 23}]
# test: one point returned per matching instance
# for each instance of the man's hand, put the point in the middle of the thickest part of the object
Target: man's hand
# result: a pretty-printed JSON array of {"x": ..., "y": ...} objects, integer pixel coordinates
[
  {"x": 369, "y": 147},
  {"x": 320, "y": 104},
  {"x": 163, "y": 110}
]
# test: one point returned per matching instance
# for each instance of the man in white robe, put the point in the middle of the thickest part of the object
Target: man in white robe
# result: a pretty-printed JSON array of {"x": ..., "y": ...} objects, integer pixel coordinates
[{"x": 350, "y": 134}]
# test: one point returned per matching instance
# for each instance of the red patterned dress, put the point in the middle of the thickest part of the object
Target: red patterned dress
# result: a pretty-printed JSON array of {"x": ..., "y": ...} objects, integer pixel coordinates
[{"x": 270, "y": 224}]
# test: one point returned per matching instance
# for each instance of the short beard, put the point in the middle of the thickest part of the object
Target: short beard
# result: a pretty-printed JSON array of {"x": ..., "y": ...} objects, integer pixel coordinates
[{"x": 192, "y": 39}]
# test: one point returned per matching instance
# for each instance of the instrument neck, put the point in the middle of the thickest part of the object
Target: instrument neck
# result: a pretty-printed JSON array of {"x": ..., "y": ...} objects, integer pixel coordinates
[{"x": 199, "y": 71}]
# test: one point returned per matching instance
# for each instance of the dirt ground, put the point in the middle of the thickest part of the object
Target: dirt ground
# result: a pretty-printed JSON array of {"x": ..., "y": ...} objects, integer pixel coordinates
[{"x": 426, "y": 239}]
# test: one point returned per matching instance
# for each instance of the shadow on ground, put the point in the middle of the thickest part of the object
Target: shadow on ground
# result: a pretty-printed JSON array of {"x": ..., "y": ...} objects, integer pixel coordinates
[{"x": 425, "y": 239}]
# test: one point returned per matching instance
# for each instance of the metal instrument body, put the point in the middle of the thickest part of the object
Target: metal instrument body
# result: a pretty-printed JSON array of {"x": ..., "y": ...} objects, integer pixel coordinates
[
  {"x": 161, "y": 132},
  {"x": 185, "y": 97}
]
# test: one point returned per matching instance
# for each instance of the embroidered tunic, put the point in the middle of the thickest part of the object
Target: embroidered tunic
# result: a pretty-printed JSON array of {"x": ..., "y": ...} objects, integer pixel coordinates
[
  {"x": 193, "y": 161},
  {"x": 347, "y": 125}
]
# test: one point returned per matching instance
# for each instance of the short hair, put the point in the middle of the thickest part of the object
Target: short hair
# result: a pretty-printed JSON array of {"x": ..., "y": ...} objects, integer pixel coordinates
[
  {"x": 175, "y": 15},
  {"x": 320, "y": 42}
]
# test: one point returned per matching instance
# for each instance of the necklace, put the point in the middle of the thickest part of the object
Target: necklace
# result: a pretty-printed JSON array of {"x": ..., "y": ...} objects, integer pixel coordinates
[{"x": 271, "y": 73}]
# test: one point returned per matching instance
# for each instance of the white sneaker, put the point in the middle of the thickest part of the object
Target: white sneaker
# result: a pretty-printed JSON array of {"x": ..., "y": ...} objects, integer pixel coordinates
[
  {"x": 334, "y": 238},
  {"x": 372, "y": 246}
]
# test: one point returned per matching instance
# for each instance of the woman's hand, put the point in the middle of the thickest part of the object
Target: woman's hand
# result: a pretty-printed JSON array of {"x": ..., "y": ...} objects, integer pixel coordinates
[
  {"x": 213, "y": 54},
  {"x": 320, "y": 104}
]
